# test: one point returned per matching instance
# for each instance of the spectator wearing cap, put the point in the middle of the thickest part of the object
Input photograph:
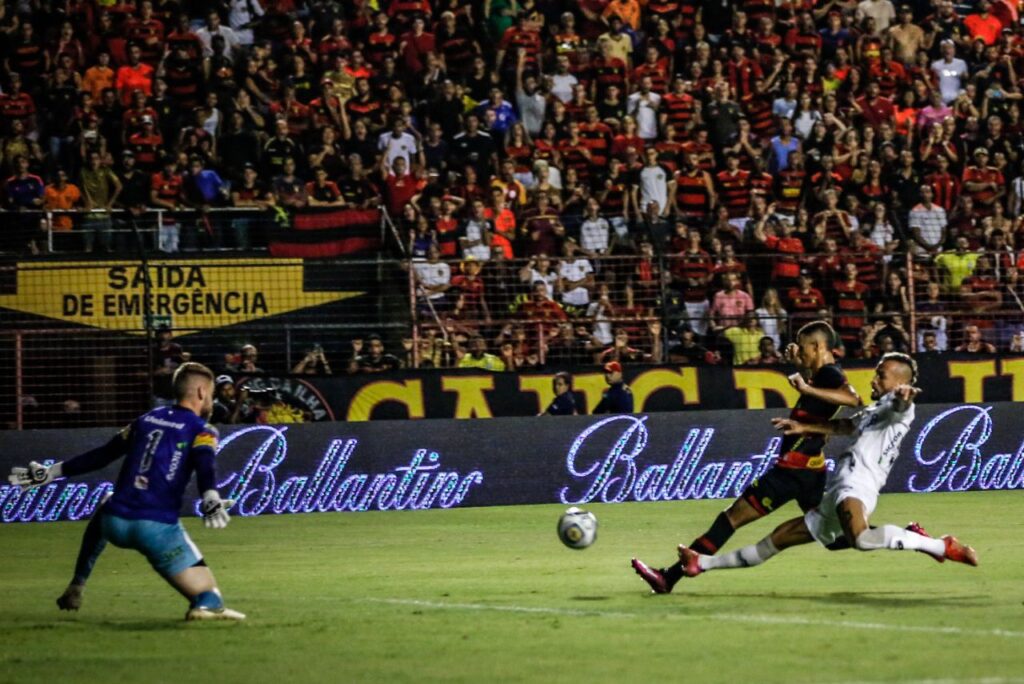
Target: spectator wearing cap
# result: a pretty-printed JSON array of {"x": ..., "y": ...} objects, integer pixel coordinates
[
  {"x": 618, "y": 398},
  {"x": 230, "y": 406}
]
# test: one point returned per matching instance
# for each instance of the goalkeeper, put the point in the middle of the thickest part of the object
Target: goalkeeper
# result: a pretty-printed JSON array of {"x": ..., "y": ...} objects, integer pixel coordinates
[{"x": 161, "y": 448}]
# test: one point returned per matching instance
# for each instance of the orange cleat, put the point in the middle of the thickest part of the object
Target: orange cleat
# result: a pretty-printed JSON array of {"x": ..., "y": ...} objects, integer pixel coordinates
[{"x": 959, "y": 552}]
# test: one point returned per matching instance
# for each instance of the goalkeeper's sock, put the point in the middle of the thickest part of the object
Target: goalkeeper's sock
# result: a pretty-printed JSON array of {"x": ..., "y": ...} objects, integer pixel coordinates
[
  {"x": 207, "y": 600},
  {"x": 707, "y": 545},
  {"x": 93, "y": 544}
]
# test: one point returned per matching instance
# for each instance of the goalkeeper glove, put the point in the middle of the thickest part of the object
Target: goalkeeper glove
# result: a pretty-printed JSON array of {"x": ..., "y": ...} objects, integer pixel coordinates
[
  {"x": 215, "y": 509},
  {"x": 36, "y": 475}
]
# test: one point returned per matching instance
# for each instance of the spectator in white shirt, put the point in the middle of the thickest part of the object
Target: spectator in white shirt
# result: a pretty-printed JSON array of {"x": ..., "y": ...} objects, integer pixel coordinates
[
  {"x": 563, "y": 83},
  {"x": 576, "y": 276},
  {"x": 927, "y": 224},
  {"x": 595, "y": 231},
  {"x": 643, "y": 107},
  {"x": 653, "y": 185},
  {"x": 399, "y": 142},
  {"x": 882, "y": 11},
  {"x": 215, "y": 28},
  {"x": 433, "y": 277},
  {"x": 950, "y": 71},
  {"x": 476, "y": 234}
]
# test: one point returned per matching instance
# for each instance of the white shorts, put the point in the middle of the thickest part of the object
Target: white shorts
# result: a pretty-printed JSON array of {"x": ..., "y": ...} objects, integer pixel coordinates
[{"x": 844, "y": 483}]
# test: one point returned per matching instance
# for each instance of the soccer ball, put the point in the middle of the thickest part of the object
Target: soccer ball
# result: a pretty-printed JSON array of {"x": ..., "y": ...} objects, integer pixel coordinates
[{"x": 577, "y": 528}]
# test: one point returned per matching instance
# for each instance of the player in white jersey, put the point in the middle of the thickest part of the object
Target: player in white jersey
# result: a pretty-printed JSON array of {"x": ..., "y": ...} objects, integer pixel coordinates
[{"x": 853, "y": 486}]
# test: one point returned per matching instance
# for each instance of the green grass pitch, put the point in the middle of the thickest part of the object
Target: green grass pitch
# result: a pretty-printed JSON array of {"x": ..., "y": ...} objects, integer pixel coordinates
[{"x": 489, "y": 594}]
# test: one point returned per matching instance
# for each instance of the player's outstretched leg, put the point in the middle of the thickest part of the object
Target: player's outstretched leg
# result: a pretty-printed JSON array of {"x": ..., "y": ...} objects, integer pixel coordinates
[
  {"x": 740, "y": 513},
  {"x": 200, "y": 588},
  {"x": 89, "y": 552},
  {"x": 853, "y": 518},
  {"x": 790, "y": 533}
]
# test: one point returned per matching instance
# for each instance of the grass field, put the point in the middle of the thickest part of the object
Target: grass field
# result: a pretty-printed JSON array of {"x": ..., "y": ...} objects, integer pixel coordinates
[{"x": 491, "y": 595}]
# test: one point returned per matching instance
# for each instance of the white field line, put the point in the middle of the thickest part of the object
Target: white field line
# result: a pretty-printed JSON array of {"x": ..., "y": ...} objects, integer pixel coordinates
[
  {"x": 975, "y": 680},
  {"x": 724, "y": 617}
]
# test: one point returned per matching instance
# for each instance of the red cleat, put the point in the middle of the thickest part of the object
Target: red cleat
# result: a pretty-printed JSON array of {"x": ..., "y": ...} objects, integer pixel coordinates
[
  {"x": 690, "y": 560},
  {"x": 959, "y": 552},
  {"x": 654, "y": 578},
  {"x": 917, "y": 529}
]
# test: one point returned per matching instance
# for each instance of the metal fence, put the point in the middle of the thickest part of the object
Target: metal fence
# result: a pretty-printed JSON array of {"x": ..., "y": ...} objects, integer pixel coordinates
[{"x": 85, "y": 340}]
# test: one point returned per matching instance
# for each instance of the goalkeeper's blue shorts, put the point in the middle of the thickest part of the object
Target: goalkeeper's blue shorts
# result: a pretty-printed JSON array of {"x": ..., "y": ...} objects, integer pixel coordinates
[{"x": 167, "y": 547}]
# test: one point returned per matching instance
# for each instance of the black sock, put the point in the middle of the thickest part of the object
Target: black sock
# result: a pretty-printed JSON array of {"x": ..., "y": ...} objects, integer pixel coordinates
[
  {"x": 707, "y": 544},
  {"x": 712, "y": 540},
  {"x": 93, "y": 544}
]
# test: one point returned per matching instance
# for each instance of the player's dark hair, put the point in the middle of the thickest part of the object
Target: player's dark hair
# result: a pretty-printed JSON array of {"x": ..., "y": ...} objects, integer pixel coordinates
[
  {"x": 900, "y": 357},
  {"x": 185, "y": 373},
  {"x": 820, "y": 328}
]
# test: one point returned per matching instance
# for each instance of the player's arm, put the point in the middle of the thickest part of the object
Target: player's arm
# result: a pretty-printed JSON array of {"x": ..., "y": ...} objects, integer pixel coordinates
[
  {"x": 837, "y": 426},
  {"x": 843, "y": 395},
  {"x": 203, "y": 452},
  {"x": 37, "y": 474},
  {"x": 903, "y": 396}
]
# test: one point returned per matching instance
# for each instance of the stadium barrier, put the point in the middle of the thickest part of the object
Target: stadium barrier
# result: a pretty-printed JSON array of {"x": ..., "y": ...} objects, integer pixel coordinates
[
  {"x": 467, "y": 393},
  {"x": 573, "y": 460},
  {"x": 80, "y": 333}
]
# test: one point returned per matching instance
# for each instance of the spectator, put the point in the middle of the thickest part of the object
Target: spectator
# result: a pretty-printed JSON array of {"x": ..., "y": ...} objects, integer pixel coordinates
[
  {"x": 575, "y": 276},
  {"x": 620, "y": 350},
  {"x": 767, "y": 353},
  {"x": 433, "y": 278},
  {"x": 564, "y": 403},
  {"x": 730, "y": 304},
  {"x": 477, "y": 356},
  {"x": 974, "y": 343},
  {"x": 313, "y": 362},
  {"x": 100, "y": 190},
  {"x": 375, "y": 360},
  {"x": 745, "y": 339},
  {"x": 771, "y": 316},
  {"x": 61, "y": 196},
  {"x": 618, "y": 398},
  {"x": 244, "y": 361},
  {"x": 955, "y": 265}
]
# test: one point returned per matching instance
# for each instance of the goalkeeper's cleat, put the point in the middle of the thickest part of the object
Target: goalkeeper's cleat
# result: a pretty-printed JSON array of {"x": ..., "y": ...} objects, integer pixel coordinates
[
  {"x": 654, "y": 578},
  {"x": 71, "y": 599},
  {"x": 690, "y": 560},
  {"x": 213, "y": 614},
  {"x": 959, "y": 552},
  {"x": 917, "y": 529}
]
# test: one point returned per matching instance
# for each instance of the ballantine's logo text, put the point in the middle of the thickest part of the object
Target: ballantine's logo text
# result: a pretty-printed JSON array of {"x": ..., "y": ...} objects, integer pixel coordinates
[
  {"x": 946, "y": 456},
  {"x": 615, "y": 476},
  {"x": 258, "y": 487}
]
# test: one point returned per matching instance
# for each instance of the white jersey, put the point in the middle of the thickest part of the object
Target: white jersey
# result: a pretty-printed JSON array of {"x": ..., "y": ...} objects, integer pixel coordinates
[
  {"x": 879, "y": 431},
  {"x": 861, "y": 471}
]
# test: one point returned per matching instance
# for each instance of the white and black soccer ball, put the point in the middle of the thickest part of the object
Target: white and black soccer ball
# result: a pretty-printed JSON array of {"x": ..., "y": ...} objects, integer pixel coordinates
[{"x": 577, "y": 528}]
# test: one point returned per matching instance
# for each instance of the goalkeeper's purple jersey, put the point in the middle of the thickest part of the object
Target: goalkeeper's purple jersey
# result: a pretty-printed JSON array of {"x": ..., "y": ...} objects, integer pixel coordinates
[{"x": 162, "y": 449}]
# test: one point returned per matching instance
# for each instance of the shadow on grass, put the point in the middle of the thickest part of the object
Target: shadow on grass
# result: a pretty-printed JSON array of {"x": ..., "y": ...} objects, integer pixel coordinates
[
  {"x": 888, "y": 599},
  {"x": 589, "y": 598}
]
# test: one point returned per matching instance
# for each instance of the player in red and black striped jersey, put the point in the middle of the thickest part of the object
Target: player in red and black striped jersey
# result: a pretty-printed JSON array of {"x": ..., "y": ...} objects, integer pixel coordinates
[{"x": 800, "y": 472}]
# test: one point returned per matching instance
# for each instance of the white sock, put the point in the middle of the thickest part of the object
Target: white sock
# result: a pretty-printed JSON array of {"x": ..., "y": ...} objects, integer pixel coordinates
[
  {"x": 746, "y": 557},
  {"x": 897, "y": 539}
]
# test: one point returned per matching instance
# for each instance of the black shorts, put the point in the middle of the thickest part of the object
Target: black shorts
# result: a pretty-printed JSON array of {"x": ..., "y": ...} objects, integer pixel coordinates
[{"x": 779, "y": 486}]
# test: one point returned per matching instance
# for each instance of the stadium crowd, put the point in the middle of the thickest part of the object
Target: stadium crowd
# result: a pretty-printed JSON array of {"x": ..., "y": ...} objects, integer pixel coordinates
[{"x": 566, "y": 177}]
